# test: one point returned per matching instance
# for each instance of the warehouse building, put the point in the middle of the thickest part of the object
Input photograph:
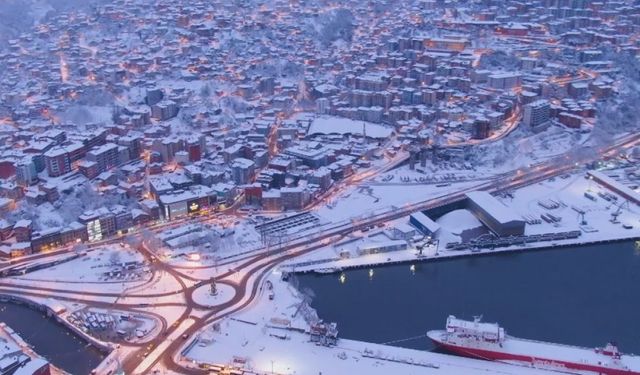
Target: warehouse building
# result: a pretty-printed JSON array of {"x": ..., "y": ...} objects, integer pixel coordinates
[
  {"x": 382, "y": 247},
  {"x": 615, "y": 186},
  {"x": 423, "y": 223},
  {"x": 500, "y": 219}
]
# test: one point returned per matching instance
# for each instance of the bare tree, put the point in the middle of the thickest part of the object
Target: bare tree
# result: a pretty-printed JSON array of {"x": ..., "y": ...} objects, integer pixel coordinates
[
  {"x": 133, "y": 240},
  {"x": 114, "y": 258},
  {"x": 150, "y": 239},
  {"x": 79, "y": 248}
]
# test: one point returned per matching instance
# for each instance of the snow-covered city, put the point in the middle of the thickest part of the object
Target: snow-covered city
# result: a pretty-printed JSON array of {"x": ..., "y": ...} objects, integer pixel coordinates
[{"x": 319, "y": 187}]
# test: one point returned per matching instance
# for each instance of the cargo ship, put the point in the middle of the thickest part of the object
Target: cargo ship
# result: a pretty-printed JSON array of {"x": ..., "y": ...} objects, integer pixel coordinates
[{"x": 489, "y": 341}]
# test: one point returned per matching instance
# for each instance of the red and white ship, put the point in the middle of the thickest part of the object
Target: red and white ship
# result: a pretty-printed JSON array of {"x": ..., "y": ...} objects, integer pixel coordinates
[{"x": 489, "y": 341}]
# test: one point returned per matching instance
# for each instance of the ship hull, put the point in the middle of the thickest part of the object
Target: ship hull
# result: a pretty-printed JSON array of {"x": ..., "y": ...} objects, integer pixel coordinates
[{"x": 530, "y": 361}]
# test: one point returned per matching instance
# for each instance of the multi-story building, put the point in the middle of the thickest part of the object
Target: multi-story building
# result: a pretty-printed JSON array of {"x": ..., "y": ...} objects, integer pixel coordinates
[
  {"x": 26, "y": 174},
  {"x": 105, "y": 156},
  {"x": 51, "y": 192},
  {"x": 179, "y": 203},
  {"x": 242, "y": 171},
  {"x": 94, "y": 139},
  {"x": 46, "y": 239},
  {"x": 272, "y": 200},
  {"x": 99, "y": 223},
  {"x": 164, "y": 110},
  {"x": 321, "y": 177},
  {"x": 88, "y": 168},
  {"x": 537, "y": 114},
  {"x": 505, "y": 81},
  {"x": 133, "y": 143},
  {"x": 311, "y": 154},
  {"x": 57, "y": 162},
  {"x": 22, "y": 230},
  {"x": 294, "y": 198},
  {"x": 481, "y": 128}
]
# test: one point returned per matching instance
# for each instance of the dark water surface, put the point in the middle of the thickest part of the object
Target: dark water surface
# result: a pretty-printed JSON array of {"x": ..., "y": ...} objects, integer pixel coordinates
[
  {"x": 583, "y": 296},
  {"x": 51, "y": 339}
]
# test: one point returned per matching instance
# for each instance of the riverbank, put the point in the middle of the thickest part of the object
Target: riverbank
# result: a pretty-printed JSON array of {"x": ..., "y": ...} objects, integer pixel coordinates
[
  {"x": 52, "y": 336},
  {"x": 19, "y": 356},
  {"x": 411, "y": 256},
  {"x": 274, "y": 336},
  {"x": 290, "y": 352},
  {"x": 583, "y": 296}
]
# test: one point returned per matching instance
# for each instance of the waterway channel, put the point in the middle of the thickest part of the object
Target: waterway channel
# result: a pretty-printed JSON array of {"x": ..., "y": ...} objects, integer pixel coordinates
[
  {"x": 584, "y": 295},
  {"x": 50, "y": 339}
]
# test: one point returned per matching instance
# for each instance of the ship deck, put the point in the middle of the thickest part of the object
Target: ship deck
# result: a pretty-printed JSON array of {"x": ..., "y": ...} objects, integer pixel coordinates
[{"x": 550, "y": 351}]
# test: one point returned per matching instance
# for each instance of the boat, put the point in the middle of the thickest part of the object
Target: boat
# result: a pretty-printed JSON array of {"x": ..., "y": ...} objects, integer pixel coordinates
[{"x": 489, "y": 341}]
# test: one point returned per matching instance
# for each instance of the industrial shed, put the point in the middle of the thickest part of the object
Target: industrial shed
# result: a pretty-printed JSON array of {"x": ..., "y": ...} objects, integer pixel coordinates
[
  {"x": 423, "y": 223},
  {"x": 500, "y": 219}
]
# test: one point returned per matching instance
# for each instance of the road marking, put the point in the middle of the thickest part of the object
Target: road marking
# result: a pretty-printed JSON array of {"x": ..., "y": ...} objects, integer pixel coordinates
[{"x": 157, "y": 352}]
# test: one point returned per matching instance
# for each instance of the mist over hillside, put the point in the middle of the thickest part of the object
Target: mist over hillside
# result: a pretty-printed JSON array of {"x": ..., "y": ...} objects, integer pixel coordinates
[{"x": 19, "y": 15}]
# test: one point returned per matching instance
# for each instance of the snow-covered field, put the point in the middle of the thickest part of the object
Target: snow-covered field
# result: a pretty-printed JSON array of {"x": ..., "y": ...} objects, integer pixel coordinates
[
  {"x": 362, "y": 201},
  {"x": 340, "y": 125},
  {"x": 241, "y": 236},
  {"x": 570, "y": 192},
  {"x": 100, "y": 276},
  {"x": 516, "y": 151},
  {"x": 103, "y": 265}
]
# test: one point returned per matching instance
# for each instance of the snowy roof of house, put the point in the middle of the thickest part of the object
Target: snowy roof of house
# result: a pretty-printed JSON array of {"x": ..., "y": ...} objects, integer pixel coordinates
[
  {"x": 197, "y": 191},
  {"x": 32, "y": 366},
  {"x": 104, "y": 148},
  {"x": 242, "y": 163},
  {"x": 274, "y": 193},
  {"x": 23, "y": 223},
  {"x": 55, "y": 152},
  {"x": 505, "y": 75}
]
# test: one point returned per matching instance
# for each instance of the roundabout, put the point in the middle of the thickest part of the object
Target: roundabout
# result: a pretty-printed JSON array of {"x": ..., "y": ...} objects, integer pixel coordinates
[{"x": 204, "y": 297}]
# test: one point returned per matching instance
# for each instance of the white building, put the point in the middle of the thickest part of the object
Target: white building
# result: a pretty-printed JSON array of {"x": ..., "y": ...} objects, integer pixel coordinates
[{"x": 537, "y": 114}]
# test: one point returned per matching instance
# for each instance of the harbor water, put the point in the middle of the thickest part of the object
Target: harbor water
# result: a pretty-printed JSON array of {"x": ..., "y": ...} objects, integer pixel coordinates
[
  {"x": 583, "y": 295},
  {"x": 50, "y": 339}
]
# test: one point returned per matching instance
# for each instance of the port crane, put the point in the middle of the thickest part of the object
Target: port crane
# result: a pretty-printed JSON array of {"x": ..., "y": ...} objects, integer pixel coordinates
[
  {"x": 616, "y": 213},
  {"x": 583, "y": 221}
]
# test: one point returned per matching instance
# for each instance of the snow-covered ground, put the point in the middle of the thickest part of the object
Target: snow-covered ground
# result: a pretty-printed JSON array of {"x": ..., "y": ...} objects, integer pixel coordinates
[
  {"x": 341, "y": 125},
  {"x": 567, "y": 191},
  {"x": 239, "y": 236},
  {"x": 114, "y": 326},
  {"x": 269, "y": 338},
  {"x": 203, "y": 296},
  {"x": 518, "y": 150},
  {"x": 521, "y": 149},
  {"x": 86, "y": 279},
  {"x": 103, "y": 265},
  {"x": 362, "y": 201},
  {"x": 569, "y": 194}
]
